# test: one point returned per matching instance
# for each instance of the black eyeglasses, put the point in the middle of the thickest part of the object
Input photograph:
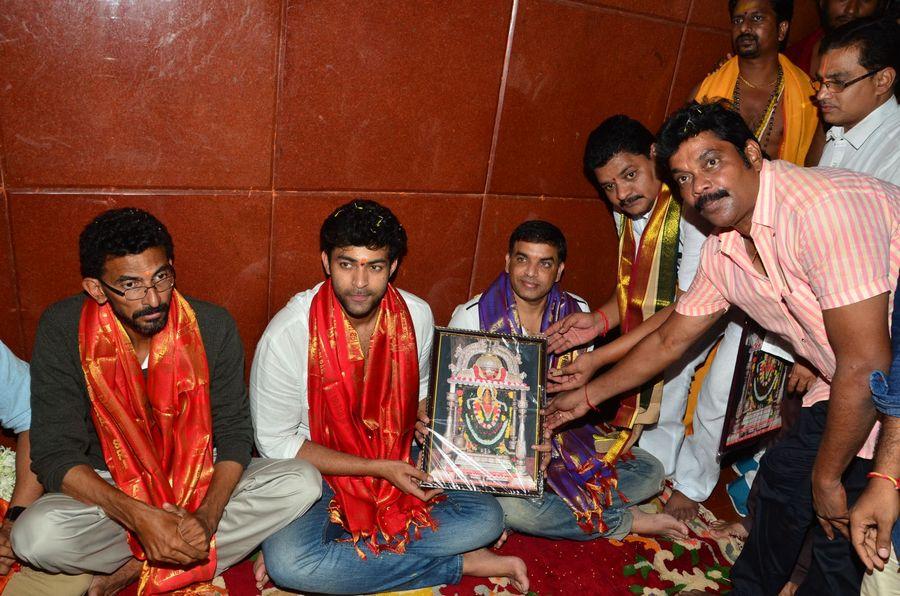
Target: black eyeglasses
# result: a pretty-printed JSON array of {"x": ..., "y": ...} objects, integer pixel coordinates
[
  {"x": 165, "y": 281},
  {"x": 838, "y": 86}
]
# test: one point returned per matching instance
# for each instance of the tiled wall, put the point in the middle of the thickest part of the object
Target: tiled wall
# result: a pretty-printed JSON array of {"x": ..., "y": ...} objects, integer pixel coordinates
[{"x": 242, "y": 123}]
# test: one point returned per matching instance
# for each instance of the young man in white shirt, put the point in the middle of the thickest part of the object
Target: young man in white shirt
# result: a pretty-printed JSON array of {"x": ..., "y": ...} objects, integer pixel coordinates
[{"x": 336, "y": 381}]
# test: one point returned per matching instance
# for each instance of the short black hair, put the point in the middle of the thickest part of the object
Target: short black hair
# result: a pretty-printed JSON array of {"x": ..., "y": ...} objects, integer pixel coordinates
[
  {"x": 120, "y": 232},
  {"x": 878, "y": 41},
  {"x": 614, "y": 135},
  {"x": 539, "y": 231},
  {"x": 362, "y": 222},
  {"x": 717, "y": 117},
  {"x": 784, "y": 9}
]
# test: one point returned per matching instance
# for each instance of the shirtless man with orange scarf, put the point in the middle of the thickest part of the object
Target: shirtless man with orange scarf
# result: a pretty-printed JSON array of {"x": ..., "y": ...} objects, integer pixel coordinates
[
  {"x": 336, "y": 381},
  {"x": 140, "y": 427}
]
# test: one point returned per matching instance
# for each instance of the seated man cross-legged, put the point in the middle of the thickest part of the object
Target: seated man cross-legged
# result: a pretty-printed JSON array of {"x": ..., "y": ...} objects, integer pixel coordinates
[
  {"x": 336, "y": 381},
  {"x": 140, "y": 429},
  {"x": 526, "y": 299}
]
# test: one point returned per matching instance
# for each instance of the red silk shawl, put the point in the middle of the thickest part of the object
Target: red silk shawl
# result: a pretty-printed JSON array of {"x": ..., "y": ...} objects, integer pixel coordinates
[
  {"x": 156, "y": 434},
  {"x": 366, "y": 407}
]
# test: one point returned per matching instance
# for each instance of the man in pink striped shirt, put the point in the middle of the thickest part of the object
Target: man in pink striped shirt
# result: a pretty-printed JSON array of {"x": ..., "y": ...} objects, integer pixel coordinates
[{"x": 810, "y": 254}]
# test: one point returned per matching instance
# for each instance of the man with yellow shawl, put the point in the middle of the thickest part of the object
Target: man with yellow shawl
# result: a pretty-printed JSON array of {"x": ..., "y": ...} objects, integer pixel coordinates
[
  {"x": 140, "y": 427},
  {"x": 336, "y": 381},
  {"x": 773, "y": 96}
]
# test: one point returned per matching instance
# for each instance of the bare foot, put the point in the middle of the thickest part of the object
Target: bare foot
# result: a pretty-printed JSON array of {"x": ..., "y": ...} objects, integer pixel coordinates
[
  {"x": 721, "y": 529},
  {"x": 657, "y": 523},
  {"x": 681, "y": 508},
  {"x": 108, "y": 585},
  {"x": 503, "y": 538},
  {"x": 260, "y": 573},
  {"x": 484, "y": 563},
  {"x": 789, "y": 589}
]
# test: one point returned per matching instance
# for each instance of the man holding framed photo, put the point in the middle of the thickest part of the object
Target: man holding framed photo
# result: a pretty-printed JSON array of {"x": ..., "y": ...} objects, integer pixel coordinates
[
  {"x": 525, "y": 299},
  {"x": 336, "y": 381}
]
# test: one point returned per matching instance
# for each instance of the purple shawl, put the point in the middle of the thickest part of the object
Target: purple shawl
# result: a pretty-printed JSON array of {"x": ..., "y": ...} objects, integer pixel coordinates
[{"x": 577, "y": 473}]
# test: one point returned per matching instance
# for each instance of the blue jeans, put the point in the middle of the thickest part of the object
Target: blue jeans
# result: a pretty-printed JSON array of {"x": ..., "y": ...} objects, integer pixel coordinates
[
  {"x": 639, "y": 479},
  {"x": 308, "y": 556}
]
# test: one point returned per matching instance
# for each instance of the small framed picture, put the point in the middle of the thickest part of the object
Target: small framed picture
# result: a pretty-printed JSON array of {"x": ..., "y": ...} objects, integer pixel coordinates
[
  {"x": 487, "y": 390},
  {"x": 757, "y": 391}
]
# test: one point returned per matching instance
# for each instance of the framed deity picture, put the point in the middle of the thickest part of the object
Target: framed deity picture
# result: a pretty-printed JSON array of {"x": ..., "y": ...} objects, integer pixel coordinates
[
  {"x": 757, "y": 391},
  {"x": 485, "y": 399}
]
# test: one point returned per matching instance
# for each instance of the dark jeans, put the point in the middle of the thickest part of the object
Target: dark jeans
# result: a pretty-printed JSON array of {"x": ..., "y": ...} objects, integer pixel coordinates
[{"x": 784, "y": 514}]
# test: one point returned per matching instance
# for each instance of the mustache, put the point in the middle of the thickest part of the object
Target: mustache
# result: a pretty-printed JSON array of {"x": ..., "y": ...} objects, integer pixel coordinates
[
  {"x": 630, "y": 200},
  {"x": 747, "y": 37},
  {"x": 704, "y": 200},
  {"x": 151, "y": 310}
]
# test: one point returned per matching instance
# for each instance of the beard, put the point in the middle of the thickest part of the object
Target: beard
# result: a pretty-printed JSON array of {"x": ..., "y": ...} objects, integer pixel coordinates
[
  {"x": 146, "y": 328},
  {"x": 746, "y": 45}
]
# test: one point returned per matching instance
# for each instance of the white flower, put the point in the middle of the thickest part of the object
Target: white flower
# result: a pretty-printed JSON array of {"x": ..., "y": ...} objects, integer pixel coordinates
[{"x": 7, "y": 473}]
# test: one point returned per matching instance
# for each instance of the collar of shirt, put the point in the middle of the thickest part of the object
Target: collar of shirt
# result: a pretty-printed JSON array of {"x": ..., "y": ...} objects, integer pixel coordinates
[{"x": 860, "y": 133}]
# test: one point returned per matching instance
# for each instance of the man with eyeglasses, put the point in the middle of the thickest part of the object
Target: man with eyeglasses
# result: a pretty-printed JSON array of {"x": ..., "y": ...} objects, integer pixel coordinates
[
  {"x": 141, "y": 429},
  {"x": 855, "y": 90}
]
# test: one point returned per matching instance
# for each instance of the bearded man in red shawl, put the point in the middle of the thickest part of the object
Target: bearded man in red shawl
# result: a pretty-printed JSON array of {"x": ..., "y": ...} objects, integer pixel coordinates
[
  {"x": 140, "y": 427},
  {"x": 336, "y": 381}
]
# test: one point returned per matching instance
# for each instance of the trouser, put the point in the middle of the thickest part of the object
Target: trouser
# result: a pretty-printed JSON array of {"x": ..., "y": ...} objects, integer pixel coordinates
[
  {"x": 784, "y": 514},
  {"x": 640, "y": 479},
  {"x": 692, "y": 461},
  {"x": 59, "y": 534},
  {"x": 312, "y": 554},
  {"x": 881, "y": 583}
]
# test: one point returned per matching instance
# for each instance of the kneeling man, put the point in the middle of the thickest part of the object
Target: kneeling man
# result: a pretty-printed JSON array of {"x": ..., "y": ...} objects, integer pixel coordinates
[
  {"x": 526, "y": 299},
  {"x": 140, "y": 429},
  {"x": 335, "y": 382}
]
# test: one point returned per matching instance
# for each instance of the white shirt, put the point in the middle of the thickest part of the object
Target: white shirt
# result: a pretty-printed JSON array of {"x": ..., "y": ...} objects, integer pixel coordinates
[
  {"x": 871, "y": 147},
  {"x": 465, "y": 316},
  {"x": 692, "y": 232},
  {"x": 278, "y": 377}
]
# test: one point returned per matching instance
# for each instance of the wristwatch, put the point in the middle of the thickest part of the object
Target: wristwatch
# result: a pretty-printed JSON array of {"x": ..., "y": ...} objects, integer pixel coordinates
[{"x": 13, "y": 513}]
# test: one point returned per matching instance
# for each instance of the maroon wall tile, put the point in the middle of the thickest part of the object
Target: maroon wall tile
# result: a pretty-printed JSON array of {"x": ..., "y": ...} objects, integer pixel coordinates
[
  {"x": 389, "y": 94},
  {"x": 138, "y": 94},
  {"x": 670, "y": 9},
  {"x": 10, "y": 332},
  {"x": 221, "y": 249},
  {"x": 566, "y": 75},
  {"x": 703, "y": 49},
  {"x": 441, "y": 230},
  {"x": 590, "y": 235}
]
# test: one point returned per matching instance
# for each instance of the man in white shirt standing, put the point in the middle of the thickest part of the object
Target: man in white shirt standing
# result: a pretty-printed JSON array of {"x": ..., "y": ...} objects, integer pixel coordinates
[
  {"x": 854, "y": 87},
  {"x": 336, "y": 381},
  {"x": 619, "y": 153}
]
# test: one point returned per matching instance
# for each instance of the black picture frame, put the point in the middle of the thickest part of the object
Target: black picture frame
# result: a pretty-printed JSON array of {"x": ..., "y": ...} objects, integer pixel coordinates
[{"x": 484, "y": 402}]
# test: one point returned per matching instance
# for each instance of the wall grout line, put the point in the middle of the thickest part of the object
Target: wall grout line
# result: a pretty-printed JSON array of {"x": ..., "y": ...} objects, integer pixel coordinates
[
  {"x": 501, "y": 95},
  {"x": 279, "y": 80},
  {"x": 678, "y": 58},
  {"x": 475, "y": 253}
]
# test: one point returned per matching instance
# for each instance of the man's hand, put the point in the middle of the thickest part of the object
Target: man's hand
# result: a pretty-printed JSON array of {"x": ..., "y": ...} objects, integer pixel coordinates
[
  {"x": 574, "y": 330},
  {"x": 800, "y": 379},
  {"x": 830, "y": 504},
  {"x": 871, "y": 520},
  {"x": 7, "y": 557},
  {"x": 576, "y": 374},
  {"x": 543, "y": 448},
  {"x": 564, "y": 408},
  {"x": 195, "y": 528},
  {"x": 405, "y": 477},
  {"x": 422, "y": 423},
  {"x": 158, "y": 532}
]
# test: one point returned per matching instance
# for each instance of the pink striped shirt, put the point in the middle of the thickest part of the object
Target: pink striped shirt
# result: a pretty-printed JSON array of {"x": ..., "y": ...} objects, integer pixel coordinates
[{"x": 827, "y": 238}]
